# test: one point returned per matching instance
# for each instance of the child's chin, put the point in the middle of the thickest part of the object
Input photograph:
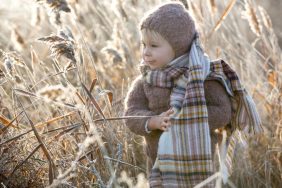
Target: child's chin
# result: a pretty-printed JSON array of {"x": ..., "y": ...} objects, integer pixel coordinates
[
  {"x": 157, "y": 67},
  {"x": 152, "y": 67}
]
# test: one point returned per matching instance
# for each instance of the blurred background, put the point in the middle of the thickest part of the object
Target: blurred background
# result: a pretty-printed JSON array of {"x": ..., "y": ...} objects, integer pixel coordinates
[
  {"x": 67, "y": 65},
  {"x": 273, "y": 8}
]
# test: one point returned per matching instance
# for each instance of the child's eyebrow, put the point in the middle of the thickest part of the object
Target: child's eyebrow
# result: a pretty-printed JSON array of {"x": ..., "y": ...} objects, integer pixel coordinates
[
  {"x": 152, "y": 41},
  {"x": 149, "y": 41}
]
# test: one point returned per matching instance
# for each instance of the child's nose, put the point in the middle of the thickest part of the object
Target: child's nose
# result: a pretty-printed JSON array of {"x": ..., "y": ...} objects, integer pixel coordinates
[{"x": 146, "y": 51}]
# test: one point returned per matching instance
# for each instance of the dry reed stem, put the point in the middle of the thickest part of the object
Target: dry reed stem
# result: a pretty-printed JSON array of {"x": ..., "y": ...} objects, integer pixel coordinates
[
  {"x": 251, "y": 16},
  {"x": 96, "y": 173},
  {"x": 122, "y": 39},
  {"x": 109, "y": 95},
  {"x": 67, "y": 130},
  {"x": 17, "y": 39},
  {"x": 50, "y": 76},
  {"x": 125, "y": 163},
  {"x": 212, "y": 6},
  {"x": 196, "y": 11},
  {"x": 36, "y": 17},
  {"x": 2, "y": 74},
  {"x": 122, "y": 118},
  {"x": 222, "y": 18},
  {"x": 42, "y": 145},
  {"x": 265, "y": 18},
  {"x": 94, "y": 102},
  {"x": 60, "y": 46},
  {"x": 39, "y": 125},
  {"x": 56, "y": 129},
  {"x": 56, "y": 5},
  {"x": 80, "y": 98},
  {"x": 15, "y": 137},
  {"x": 94, "y": 81},
  {"x": 88, "y": 51},
  {"x": 21, "y": 163},
  {"x": 8, "y": 123},
  {"x": 25, "y": 93}
]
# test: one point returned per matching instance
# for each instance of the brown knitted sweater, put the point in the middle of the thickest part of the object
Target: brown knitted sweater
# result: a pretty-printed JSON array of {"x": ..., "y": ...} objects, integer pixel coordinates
[{"x": 146, "y": 100}]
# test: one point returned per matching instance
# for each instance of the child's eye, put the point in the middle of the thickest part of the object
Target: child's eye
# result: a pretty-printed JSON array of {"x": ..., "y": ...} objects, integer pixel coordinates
[{"x": 154, "y": 45}]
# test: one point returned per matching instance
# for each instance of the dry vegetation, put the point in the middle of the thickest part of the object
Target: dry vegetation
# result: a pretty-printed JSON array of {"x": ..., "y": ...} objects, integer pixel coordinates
[{"x": 65, "y": 67}]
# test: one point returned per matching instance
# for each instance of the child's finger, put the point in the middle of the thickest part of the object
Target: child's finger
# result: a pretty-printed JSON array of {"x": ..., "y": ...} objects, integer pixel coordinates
[
  {"x": 169, "y": 112},
  {"x": 166, "y": 119},
  {"x": 164, "y": 128},
  {"x": 165, "y": 124}
]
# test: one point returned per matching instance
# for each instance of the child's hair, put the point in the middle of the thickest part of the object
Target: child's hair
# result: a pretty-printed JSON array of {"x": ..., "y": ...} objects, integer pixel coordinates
[
  {"x": 150, "y": 34},
  {"x": 174, "y": 23}
]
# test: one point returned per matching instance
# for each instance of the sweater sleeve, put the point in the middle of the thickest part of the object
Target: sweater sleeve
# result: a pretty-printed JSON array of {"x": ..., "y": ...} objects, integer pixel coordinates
[
  {"x": 218, "y": 103},
  {"x": 136, "y": 104}
]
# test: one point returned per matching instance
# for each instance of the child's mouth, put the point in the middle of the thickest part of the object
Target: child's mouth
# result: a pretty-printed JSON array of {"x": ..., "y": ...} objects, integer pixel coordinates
[{"x": 149, "y": 62}]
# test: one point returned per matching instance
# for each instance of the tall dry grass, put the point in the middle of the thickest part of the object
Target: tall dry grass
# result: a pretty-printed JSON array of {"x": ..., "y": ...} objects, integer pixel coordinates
[{"x": 66, "y": 67}]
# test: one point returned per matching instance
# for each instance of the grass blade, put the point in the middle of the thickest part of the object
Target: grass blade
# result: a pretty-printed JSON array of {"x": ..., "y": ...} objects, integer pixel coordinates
[{"x": 94, "y": 102}]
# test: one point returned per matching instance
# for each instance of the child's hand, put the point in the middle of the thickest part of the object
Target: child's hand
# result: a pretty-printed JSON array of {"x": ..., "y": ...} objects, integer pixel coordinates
[{"x": 161, "y": 122}]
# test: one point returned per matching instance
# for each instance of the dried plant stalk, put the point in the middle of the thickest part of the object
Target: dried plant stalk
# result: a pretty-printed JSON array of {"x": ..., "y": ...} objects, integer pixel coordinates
[
  {"x": 251, "y": 16},
  {"x": 19, "y": 165},
  {"x": 265, "y": 18},
  {"x": 94, "y": 102},
  {"x": 60, "y": 46},
  {"x": 42, "y": 145},
  {"x": 223, "y": 16}
]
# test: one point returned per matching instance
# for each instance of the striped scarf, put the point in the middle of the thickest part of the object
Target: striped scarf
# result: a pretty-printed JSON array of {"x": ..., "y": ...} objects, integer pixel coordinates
[{"x": 184, "y": 152}]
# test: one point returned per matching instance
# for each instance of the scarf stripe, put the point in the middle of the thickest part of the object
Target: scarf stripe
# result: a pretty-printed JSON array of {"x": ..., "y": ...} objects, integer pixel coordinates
[{"x": 184, "y": 152}]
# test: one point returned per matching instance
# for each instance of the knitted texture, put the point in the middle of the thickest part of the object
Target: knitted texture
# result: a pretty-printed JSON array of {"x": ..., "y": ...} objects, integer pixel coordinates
[{"x": 174, "y": 23}]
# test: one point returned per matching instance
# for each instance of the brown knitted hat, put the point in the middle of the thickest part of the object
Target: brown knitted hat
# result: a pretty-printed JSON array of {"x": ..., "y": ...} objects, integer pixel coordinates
[{"x": 174, "y": 23}]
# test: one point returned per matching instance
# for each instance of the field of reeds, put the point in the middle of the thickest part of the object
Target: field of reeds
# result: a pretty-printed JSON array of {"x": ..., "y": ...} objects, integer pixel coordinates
[{"x": 66, "y": 66}]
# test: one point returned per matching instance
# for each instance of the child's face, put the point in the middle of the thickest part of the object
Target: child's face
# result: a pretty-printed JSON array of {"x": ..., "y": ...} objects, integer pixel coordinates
[{"x": 156, "y": 52}]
